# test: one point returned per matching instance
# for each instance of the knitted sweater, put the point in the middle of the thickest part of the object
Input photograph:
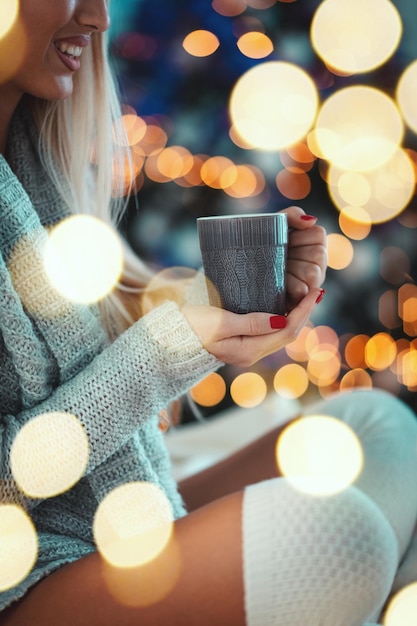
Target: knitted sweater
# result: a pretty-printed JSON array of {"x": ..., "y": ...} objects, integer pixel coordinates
[{"x": 55, "y": 356}]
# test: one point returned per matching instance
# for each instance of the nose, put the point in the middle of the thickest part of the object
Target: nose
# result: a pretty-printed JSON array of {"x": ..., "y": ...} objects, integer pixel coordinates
[{"x": 93, "y": 14}]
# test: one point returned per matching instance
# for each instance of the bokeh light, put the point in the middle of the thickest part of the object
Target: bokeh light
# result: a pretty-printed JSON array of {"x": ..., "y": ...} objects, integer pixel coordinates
[
  {"x": 210, "y": 391},
  {"x": 218, "y": 172},
  {"x": 319, "y": 454},
  {"x": 380, "y": 351},
  {"x": 406, "y": 95},
  {"x": 249, "y": 182},
  {"x": 291, "y": 381},
  {"x": 18, "y": 545},
  {"x": 358, "y": 128},
  {"x": 133, "y": 524},
  {"x": 407, "y": 308},
  {"x": 297, "y": 349},
  {"x": 49, "y": 455},
  {"x": 344, "y": 34},
  {"x": 355, "y": 351},
  {"x": 357, "y": 174},
  {"x": 408, "y": 371},
  {"x": 130, "y": 129},
  {"x": 172, "y": 283},
  {"x": 13, "y": 36},
  {"x": 26, "y": 267},
  {"x": 174, "y": 162},
  {"x": 355, "y": 222},
  {"x": 8, "y": 15},
  {"x": 293, "y": 185},
  {"x": 248, "y": 390},
  {"x": 83, "y": 258},
  {"x": 255, "y": 45},
  {"x": 201, "y": 43},
  {"x": 273, "y": 105},
  {"x": 135, "y": 586},
  {"x": 356, "y": 378},
  {"x": 388, "y": 309},
  {"x": 260, "y": 4},
  {"x": 353, "y": 188},
  {"x": 323, "y": 366},
  {"x": 229, "y": 8},
  {"x": 153, "y": 141},
  {"x": 339, "y": 251},
  {"x": 381, "y": 193},
  {"x": 322, "y": 337},
  {"x": 402, "y": 609}
]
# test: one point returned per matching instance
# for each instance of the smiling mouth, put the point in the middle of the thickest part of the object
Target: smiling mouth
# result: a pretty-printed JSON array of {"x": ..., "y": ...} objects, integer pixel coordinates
[{"x": 71, "y": 51}]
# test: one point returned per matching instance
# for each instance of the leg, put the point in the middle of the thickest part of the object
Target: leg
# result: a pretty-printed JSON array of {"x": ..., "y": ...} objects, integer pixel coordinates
[
  {"x": 306, "y": 562},
  {"x": 199, "y": 578},
  {"x": 387, "y": 429},
  {"x": 196, "y": 581},
  {"x": 314, "y": 561},
  {"x": 251, "y": 464}
]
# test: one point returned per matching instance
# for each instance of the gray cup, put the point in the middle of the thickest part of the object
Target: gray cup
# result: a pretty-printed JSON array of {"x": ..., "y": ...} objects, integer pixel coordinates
[{"x": 244, "y": 259}]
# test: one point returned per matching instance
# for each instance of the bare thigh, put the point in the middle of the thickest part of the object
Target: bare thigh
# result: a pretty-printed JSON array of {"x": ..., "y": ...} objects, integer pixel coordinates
[
  {"x": 251, "y": 464},
  {"x": 197, "y": 580}
]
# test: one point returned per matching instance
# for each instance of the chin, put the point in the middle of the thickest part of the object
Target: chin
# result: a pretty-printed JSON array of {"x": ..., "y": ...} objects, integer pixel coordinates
[
  {"x": 58, "y": 89},
  {"x": 61, "y": 91}
]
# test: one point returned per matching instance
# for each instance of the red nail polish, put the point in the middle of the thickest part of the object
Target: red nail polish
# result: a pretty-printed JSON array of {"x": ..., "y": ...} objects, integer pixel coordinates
[
  {"x": 278, "y": 321},
  {"x": 308, "y": 218},
  {"x": 320, "y": 296}
]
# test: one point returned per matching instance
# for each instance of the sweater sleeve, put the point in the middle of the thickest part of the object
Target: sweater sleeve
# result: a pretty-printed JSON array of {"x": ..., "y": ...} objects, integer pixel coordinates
[{"x": 154, "y": 362}]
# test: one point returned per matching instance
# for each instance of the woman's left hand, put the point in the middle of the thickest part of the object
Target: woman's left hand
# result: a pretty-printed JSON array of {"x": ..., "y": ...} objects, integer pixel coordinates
[{"x": 307, "y": 255}]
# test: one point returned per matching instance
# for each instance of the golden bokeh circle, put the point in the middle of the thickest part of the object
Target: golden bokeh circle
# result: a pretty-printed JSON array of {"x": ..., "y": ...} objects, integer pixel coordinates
[
  {"x": 344, "y": 35},
  {"x": 83, "y": 258},
  {"x": 49, "y": 454},
  {"x": 273, "y": 105},
  {"x": 319, "y": 454},
  {"x": 18, "y": 545},
  {"x": 133, "y": 524}
]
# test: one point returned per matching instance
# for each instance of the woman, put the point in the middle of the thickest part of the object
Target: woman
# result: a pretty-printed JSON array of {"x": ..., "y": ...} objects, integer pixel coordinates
[{"x": 258, "y": 555}]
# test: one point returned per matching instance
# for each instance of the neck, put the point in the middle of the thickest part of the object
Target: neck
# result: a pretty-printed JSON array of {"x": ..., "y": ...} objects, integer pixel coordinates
[{"x": 7, "y": 108}]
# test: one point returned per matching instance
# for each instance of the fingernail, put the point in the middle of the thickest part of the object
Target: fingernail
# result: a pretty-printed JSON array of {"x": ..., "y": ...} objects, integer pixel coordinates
[
  {"x": 320, "y": 296},
  {"x": 308, "y": 218},
  {"x": 278, "y": 321}
]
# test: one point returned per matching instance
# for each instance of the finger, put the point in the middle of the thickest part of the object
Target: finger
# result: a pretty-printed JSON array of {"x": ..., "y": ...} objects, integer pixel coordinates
[
  {"x": 315, "y": 235},
  {"x": 297, "y": 218},
  {"x": 296, "y": 291},
  {"x": 310, "y": 273},
  {"x": 259, "y": 324},
  {"x": 299, "y": 316},
  {"x": 253, "y": 348}
]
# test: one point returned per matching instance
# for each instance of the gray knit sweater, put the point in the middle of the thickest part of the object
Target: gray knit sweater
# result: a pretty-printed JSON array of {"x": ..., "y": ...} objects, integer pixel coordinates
[{"x": 54, "y": 356}]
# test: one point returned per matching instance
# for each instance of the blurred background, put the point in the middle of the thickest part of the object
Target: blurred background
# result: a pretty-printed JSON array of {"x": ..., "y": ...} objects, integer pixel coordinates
[{"x": 242, "y": 106}]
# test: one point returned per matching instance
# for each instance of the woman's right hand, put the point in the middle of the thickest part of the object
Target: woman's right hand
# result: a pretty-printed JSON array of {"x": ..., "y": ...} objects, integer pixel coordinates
[{"x": 243, "y": 340}]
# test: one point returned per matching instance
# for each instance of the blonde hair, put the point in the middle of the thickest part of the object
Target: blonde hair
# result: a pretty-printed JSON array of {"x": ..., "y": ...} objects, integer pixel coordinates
[{"x": 82, "y": 135}]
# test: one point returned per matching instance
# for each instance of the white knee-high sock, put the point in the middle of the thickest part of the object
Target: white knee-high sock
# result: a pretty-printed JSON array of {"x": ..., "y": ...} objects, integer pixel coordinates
[
  {"x": 314, "y": 561},
  {"x": 387, "y": 430},
  {"x": 378, "y": 514}
]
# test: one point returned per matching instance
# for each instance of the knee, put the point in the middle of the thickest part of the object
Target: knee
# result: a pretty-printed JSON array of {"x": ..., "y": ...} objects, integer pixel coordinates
[
  {"x": 333, "y": 559},
  {"x": 356, "y": 557},
  {"x": 361, "y": 408}
]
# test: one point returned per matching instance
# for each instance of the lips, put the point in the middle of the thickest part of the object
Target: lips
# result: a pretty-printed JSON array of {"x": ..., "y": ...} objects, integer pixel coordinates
[{"x": 69, "y": 50}]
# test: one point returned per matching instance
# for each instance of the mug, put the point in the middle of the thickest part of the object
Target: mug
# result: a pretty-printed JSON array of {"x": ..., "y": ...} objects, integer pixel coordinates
[{"x": 244, "y": 259}]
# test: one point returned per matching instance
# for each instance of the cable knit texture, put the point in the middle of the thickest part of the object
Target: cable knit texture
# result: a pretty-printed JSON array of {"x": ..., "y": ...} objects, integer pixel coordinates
[{"x": 54, "y": 356}]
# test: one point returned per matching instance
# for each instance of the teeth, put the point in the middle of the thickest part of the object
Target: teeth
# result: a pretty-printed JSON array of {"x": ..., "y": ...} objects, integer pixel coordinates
[{"x": 74, "y": 51}]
